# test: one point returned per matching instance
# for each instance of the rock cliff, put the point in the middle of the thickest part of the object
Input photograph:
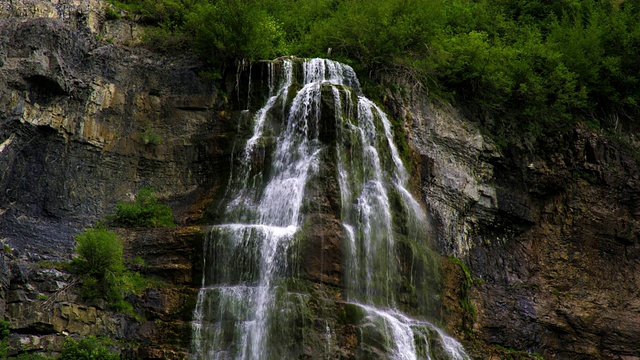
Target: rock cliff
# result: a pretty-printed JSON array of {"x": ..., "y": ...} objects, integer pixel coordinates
[
  {"x": 549, "y": 235},
  {"x": 543, "y": 242},
  {"x": 85, "y": 122}
]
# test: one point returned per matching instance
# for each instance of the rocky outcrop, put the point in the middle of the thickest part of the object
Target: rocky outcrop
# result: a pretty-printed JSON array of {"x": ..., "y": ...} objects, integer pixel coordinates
[
  {"x": 85, "y": 121},
  {"x": 550, "y": 236},
  {"x": 88, "y": 122},
  {"x": 43, "y": 309},
  {"x": 570, "y": 277}
]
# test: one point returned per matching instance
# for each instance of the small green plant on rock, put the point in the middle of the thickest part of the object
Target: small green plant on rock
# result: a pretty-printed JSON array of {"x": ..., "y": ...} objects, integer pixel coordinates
[
  {"x": 146, "y": 211},
  {"x": 83, "y": 349},
  {"x": 32, "y": 356},
  {"x": 4, "y": 339},
  {"x": 102, "y": 271},
  {"x": 100, "y": 252},
  {"x": 469, "y": 316},
  {"x": 111, "y": 14},
  {"x": 148, "y": 137},
  {"x": 100, "y": 262},
  {"x": 7, "y": 249}
]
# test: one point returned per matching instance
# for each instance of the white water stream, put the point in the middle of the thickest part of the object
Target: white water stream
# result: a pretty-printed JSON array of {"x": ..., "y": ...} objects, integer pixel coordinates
[{"x": 245, "y": 257}]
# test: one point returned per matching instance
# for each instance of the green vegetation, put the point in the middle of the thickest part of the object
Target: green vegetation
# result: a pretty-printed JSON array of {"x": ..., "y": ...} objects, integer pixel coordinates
[
  {"x": 111, "y": 14},
  {"x": 146, "y": 211},
  {"x": 148, "y": 137},
  {"x": 103, "y": 274},
  {"x": 4, "y": 339},
  {"x": 31, "y": 356},
  {"x": 469, "y": 316},
  {"x": 521, "y": 67},
  {"x": 100, "y": 263},
  {"x": 89, "y": 348},
  {"x": 100, "y": 253},
  {"x": 512, "y": 354},
  {"x": 84, "y": 349}
]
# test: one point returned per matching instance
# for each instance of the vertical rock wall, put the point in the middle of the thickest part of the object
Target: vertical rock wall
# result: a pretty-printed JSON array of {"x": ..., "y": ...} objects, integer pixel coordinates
[
  {"x": 85, "y": 121},
  {"x": 549, "y": 235}
]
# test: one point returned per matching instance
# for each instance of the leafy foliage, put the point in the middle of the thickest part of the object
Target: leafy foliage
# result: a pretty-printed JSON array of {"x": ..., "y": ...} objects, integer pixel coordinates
[
  {"x": 234, "y": 29},
  {"x": 4, "y": 341},
  {"x": 100, "y": 253},
  {"x": 538, "y": 65},
  {"x": 146, "y": 211},
  {"x": 100, "y": 263},
  {"x": 103, "y": 275},
  {"x": 148, "y": 137},
  {"x": 89, "y": 348}
]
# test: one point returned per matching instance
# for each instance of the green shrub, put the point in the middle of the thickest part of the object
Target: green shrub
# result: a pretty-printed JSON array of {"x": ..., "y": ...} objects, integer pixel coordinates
[
  {"x": 100, "y": 253},
  {"x": 30, "y": 356},
  {"x": 232, "y": 30},
  {"x": 101, "y": 269},
  {"x": 528, "y": 68},
  {"x": 111, "y": 14},
  {"x": 146, "y": 211},
  {"x": 150, "y": 138},
  {"x": 123, "y": 306},
  {"x": 86, "y": 349},
  {"x": 100, "y": 263}
]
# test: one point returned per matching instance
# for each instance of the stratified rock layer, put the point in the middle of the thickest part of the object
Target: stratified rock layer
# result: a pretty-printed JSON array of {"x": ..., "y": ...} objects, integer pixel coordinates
[
  {"x": 84, "y": 123},
  {"x": 549, "y": 234}
]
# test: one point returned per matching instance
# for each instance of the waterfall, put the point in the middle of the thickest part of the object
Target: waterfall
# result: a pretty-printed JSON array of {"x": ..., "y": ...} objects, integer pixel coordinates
[{"x": 254, "y": 302}]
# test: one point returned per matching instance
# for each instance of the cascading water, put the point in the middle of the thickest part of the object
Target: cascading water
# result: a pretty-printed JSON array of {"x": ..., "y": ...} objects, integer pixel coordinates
[{"x": 247, "y": 307}]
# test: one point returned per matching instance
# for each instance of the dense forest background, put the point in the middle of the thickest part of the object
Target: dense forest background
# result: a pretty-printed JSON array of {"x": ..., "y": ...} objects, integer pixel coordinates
[{"x": 521, "y": 66}]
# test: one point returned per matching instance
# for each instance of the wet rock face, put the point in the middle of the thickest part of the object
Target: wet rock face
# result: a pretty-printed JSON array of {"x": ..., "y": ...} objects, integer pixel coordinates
[
  {"x": 550, "y": 236},
  {"x": 43, "y": 309}
]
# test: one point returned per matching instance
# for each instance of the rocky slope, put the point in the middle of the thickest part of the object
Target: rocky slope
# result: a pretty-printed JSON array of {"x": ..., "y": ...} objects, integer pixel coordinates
[
  {"x": 84, "y": 123},
  {"x": 549, "y": 235}
]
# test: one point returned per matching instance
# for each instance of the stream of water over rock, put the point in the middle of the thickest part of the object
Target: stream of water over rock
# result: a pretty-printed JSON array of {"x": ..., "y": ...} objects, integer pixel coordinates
[{"x": 254, "y": 301}]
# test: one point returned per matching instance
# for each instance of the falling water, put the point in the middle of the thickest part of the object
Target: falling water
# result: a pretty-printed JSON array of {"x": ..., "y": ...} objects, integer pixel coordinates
[{"x": 244, "y": 307}]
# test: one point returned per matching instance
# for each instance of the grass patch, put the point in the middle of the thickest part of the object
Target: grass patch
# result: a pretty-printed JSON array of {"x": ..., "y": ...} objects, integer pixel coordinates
[{"x": 148, "y": 137}]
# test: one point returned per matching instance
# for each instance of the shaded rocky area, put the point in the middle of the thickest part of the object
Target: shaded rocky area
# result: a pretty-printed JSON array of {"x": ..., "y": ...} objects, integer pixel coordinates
[
  {"x": 549, "y": 235},
  {"x": 86, "y": 120}
]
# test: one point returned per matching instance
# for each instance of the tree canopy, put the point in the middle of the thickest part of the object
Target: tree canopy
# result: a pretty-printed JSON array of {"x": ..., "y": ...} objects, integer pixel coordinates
[{"x": 540, "y": 63}]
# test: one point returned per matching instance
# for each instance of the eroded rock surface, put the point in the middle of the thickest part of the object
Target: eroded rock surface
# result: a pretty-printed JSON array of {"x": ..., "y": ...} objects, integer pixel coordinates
[
  {"x": 85, "y": 121},
  {"x": 550, "y": 235}
]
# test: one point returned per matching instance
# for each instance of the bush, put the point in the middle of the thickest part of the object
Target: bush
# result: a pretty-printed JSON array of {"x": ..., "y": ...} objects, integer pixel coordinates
[
  {"x": 100, "y": 252},
  {"x": 146, "y": 211},
  {"x": 148, "y": 137},
  {"x": 86, "y": 349},
  {"x": 111, "y": 14},
  {"x": 232, "y": 30},
  {"x": 103, "y": 275},
  {"x": 100, "y": 263},
  {"x": 32, "y": 356},
  {"x": 535, "y": 66}
]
